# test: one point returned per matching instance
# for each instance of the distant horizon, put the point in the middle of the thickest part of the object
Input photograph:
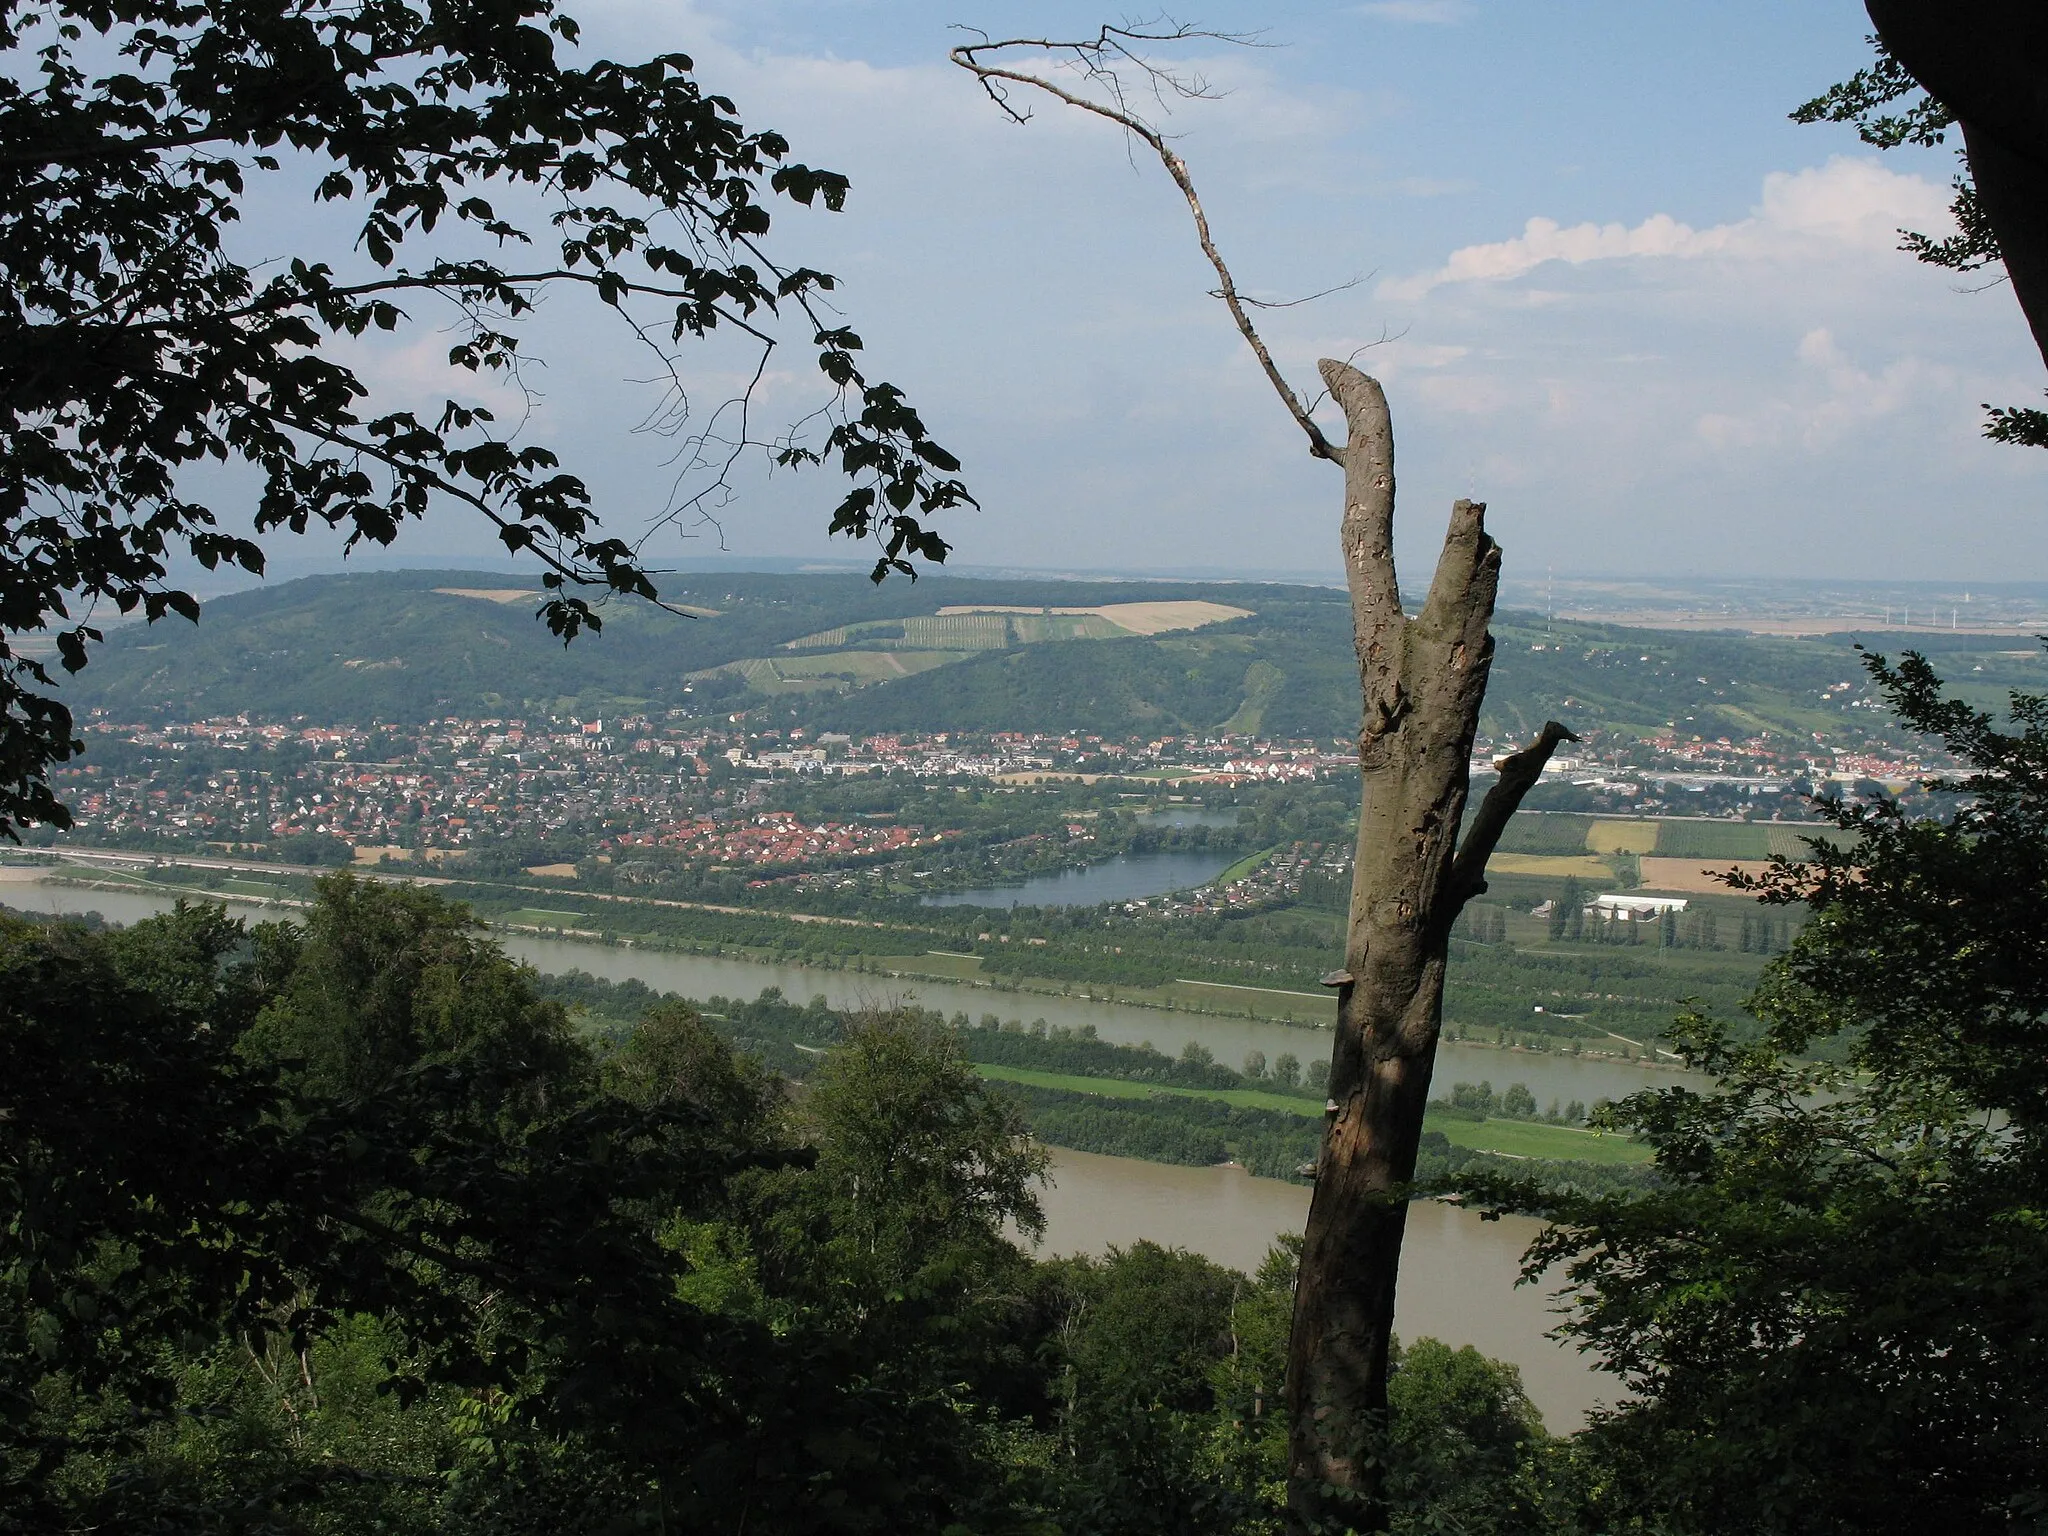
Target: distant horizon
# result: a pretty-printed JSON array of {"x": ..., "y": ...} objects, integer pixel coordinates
[{"x": 222, "y": 583}]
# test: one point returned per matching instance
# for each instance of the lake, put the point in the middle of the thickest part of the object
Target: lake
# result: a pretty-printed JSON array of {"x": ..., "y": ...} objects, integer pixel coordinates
[
  {"x": 1458, "y": 1272},
  {"x": 1127, "y": 877}
]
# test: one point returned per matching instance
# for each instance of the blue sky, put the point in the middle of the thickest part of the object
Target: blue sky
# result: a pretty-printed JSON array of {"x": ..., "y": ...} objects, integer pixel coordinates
[{"x": 1611, "y": 289}]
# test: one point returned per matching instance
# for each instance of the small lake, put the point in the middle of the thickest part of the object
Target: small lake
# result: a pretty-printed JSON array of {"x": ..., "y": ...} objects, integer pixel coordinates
[{"x": 1127, "y": 877}]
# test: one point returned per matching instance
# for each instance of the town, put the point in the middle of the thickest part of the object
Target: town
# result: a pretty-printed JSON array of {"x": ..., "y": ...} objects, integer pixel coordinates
[{"x": 424, "y": 791}]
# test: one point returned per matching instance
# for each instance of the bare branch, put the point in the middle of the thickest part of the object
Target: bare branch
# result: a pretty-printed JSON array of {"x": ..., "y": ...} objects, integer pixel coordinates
[
  {"x": 1216, "y": 293},
  {"x": 1096, "y": 60}
]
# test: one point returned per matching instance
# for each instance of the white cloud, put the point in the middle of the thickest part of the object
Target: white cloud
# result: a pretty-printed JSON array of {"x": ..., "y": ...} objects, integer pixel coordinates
[
  {"x": 1847, "y": 202},
  {"x": 1736, "y": 395},
  {"x": 1823, "y": 402}
]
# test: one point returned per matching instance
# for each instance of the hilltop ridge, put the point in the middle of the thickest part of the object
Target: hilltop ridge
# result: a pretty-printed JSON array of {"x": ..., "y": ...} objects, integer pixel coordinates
[{"x": 959, "y": 654}]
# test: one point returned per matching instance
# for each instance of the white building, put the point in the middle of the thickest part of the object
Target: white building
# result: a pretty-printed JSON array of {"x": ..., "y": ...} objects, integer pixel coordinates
[{"x": 1636, "y": 908}]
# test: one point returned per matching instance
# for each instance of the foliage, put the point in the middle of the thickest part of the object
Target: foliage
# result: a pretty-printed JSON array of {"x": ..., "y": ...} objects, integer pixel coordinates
[
  {"x": 145, "y": 342},
  {"x": 366, "y": 1227},
  {"x": 1870, "y": 100},
  {"x": 1825, "y": 1309},
  {"x": 339, "y": 1226},
  {"x": 914, "y": 1149}
]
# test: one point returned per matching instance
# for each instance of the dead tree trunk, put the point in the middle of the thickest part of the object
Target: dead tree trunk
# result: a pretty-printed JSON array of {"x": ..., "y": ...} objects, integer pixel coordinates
[{"x": 1423, "y": 679}]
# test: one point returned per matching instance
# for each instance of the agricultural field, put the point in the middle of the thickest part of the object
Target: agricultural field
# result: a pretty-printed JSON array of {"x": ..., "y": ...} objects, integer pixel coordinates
[
  {"x": 1690, "y": 876},
  {"x": 836, "y": 670},
  {"x": 1555, "y": 834},
  {"x": 1623, "y": 836},
  {"x": 1157, "y": 618},
  {"x": 1578, "y": 866}
]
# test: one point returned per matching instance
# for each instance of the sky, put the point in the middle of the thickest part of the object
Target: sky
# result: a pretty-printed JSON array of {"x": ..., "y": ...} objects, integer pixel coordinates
[{"x": 1610, "y": 289}]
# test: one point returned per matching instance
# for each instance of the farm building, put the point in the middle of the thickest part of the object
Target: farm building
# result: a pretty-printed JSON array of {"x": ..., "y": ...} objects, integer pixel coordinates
[{"x": 1636, "y": 908}]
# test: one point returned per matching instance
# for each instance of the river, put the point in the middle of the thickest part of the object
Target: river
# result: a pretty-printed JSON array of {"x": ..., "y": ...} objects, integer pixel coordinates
[{"x": 1458, "y": 1272}]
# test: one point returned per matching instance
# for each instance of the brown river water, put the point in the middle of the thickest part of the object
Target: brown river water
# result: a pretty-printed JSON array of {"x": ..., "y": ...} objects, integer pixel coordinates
[{"x": 1458, "y": 1272}]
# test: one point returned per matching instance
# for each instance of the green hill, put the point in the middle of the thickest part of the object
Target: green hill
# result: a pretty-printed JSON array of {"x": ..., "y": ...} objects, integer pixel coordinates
[
  {"x": 409, "y": 645},
  {"x": 1009, "y": 655}
]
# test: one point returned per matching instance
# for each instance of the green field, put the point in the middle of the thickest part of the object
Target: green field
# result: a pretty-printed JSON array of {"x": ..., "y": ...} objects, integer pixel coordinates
[
  {"x": 1577, "y": 866},
  {"x": 1244, "y": 866},
  {"x": 543, "y": 917},
  {"x": 1560, "y": 835},
  {"x": 258, "y": 888},
  {"x": 1712, "y": 840},
  {"x": 1116, "y": 1088},
  {"x": 779, "y": 675},
  {"x": 81, "y": 875},
  {"x": 941, "y": 964},
  {"x": 1282, "y": 1004},
  {"x": 1791, "y": 841},
  {"x": 1509, "y": 1138}
]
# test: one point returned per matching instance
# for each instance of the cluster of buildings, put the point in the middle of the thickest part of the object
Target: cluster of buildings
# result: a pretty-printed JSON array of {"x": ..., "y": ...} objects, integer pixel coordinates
[
  {"x": 448, "y": 784},
  {"x": 675, "y": 781},
  {"x": 454, "y": 784},
  {"x": 768, "y": 839},
  {"x": 1036, "y": 756},
  {"x": 1659, "y": 770}
]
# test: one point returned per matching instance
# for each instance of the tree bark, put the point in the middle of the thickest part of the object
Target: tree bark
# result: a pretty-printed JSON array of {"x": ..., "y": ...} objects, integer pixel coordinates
[{"x": 1422, "y": 680}]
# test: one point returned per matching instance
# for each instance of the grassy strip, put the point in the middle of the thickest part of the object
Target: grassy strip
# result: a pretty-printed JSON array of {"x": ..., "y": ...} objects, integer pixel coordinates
[
  {"x": 1244, "y": 866},
  {"x": 1510, "y": 1138},
  {"x": 1117, "y": 1088},
  {"x": 1235, "y": 986},
  {"x": 97, "y": 874}
]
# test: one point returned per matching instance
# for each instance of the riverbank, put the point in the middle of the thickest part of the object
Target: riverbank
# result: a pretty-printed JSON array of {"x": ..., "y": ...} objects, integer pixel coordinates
[
  {"x": 694, "y": 969},
  {"x": 1299, "y": 1012},
  {"x": 1531, "y": 1139}
]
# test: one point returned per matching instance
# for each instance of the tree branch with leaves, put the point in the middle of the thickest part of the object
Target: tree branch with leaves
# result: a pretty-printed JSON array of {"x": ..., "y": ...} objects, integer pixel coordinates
[{"x": 137, "y": 345}]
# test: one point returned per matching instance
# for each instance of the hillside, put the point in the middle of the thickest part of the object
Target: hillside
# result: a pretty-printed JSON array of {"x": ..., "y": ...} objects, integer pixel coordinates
[
  {"x": 409, "y": 645},
  {"x": 955, "y": 654}
]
